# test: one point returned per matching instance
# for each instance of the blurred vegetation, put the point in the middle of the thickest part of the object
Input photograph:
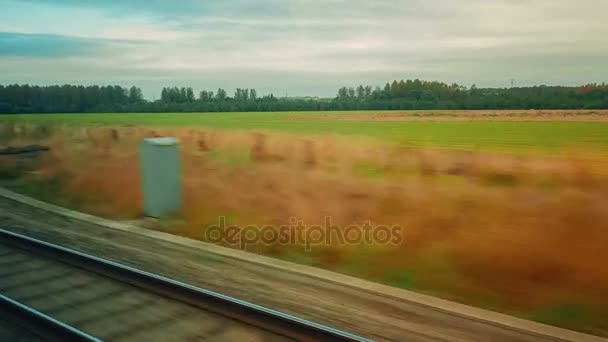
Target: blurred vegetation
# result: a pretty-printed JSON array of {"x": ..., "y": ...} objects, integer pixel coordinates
[{"x": 523, "y": 234}]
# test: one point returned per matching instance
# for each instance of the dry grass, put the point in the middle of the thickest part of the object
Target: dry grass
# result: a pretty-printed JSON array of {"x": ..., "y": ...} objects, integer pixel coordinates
[
  {"x": 467, "y": 115},
  {"x": 515, "y": 232}
]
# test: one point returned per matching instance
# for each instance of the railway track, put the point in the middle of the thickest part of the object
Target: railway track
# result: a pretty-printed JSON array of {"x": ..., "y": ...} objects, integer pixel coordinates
[{"x": 57, "y": 293}]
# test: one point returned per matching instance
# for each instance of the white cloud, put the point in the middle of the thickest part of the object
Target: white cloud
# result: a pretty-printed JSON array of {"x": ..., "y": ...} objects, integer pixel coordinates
[{"x": 330, "y": 42}]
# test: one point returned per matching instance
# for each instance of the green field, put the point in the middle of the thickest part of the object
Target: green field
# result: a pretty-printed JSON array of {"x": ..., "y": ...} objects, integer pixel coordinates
[{"x": 494, "y": 135}]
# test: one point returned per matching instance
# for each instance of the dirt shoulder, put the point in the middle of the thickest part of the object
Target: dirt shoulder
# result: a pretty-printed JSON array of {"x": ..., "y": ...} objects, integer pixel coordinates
[{"x": 371, "y": 310}]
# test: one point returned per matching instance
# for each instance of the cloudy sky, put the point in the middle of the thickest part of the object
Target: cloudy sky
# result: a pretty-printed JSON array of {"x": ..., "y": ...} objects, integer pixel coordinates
[{"x": 301, "y": 47}]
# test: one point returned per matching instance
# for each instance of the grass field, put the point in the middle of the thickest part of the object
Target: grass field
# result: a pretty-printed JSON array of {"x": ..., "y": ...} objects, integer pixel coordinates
[
  {"x": 486, "y": 225},
  {"x": 488, "y": 135}
]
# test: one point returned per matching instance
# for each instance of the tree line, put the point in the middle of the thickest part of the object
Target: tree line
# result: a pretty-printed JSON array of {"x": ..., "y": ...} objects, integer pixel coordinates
[
  {"x": 409, "y": 94},
  {"x": 67, "y": 98},
  {"x": 417, "y": 94}
]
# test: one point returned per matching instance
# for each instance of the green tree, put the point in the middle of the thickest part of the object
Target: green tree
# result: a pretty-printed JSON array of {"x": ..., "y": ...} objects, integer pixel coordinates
[
  {"x": 221, "y": 94},
  {"x": 189, "y": 95},
  {"x": 136, "y": 95},
  {"x": 351, "y": 92},
  {"x": 360, "y": 92}
]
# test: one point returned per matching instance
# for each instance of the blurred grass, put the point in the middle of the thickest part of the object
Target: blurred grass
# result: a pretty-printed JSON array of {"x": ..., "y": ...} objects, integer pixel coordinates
[
  {"x": 51, "y": 190},
  {"x": 569, "y": 315},
  {"x": 233, "y": 157},
  {"x": 486, "y": 229},
  {"x": 484, "y": 135},
  {"x": 400, "y": 278},
  {"x": 367, "y": 169}
]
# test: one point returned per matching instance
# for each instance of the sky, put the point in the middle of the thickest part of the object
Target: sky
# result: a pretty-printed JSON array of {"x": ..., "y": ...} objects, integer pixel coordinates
[{"x": 299, "y": 48}]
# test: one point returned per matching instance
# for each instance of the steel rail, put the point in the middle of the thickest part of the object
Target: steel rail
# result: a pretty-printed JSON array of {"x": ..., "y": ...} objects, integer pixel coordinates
[
  {"x": 255, "y": 315},
  {"x": 40, "y": 324}
]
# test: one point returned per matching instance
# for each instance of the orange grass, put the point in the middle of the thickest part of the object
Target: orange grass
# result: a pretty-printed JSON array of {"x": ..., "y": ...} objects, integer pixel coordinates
[{"x": 517, "y": 233}]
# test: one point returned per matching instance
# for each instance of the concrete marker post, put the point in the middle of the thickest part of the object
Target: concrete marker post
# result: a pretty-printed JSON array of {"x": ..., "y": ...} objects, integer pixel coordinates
[{"x": 161, "y": 176}]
